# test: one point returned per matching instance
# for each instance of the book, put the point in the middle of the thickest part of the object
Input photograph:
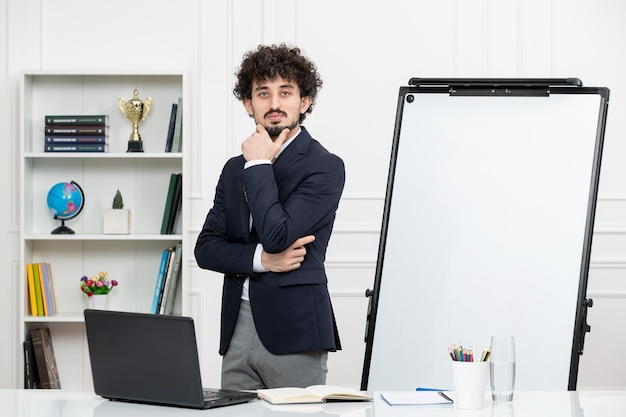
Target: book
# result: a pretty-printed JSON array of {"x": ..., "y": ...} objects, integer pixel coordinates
[
  {"x": 44, "y": 270},
  {"x": 169, "y": 200},
  {"x": 83, "y": 119},
  {"x": 70, "y": 138},
  {"x": 45, "y": 359},
  {"x": 158, "y": 287},
  {"x": 178, "y": 127},
  {"x": 45, "y": 290},
  {"x": 42, "y": 286},
  {"x": 166, "y": 281},
  {"x": 38, "y": 290},
  {"x": 176, "y": 202},
  {"x": 54, "y": 302},
  {"x": 80, "y": 130},
  {"x": 31, "y": 289},
  {"x": 168, "y": 266},
  {"x": 336, "y": 408},
  {"x": 31, "y": 379},
  {"x": 170, "y": 130},
  {"x": 172, "y": 283},
  {"x": 416, "y": 398},
  {"x": 312, "y": 394},
  {"x": 77, "y": 147}
]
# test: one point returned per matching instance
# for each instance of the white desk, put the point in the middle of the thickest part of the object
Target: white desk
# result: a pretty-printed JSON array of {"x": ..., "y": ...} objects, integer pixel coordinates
[{"x": 63, "y": 403}]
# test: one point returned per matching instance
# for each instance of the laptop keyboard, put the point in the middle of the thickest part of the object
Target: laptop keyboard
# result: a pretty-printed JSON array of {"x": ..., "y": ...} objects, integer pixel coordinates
[
  {"x": 209, "y": 395},
  {"x": 212, "y": 395}
]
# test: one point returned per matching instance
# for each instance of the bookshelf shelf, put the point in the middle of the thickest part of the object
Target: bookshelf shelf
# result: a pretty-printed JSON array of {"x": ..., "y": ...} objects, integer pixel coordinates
[
  {"x": 57, "y": 318},
  {"x": 117, "y": 155},
  {"x": 142, "y": 177},
  {"x": 130, "y": 237}
]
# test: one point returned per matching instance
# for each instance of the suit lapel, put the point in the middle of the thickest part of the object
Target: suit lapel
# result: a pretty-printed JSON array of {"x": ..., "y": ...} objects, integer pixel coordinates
[
  {"x": 293, "y": 153},
  {"x": 242, "y": 203}
]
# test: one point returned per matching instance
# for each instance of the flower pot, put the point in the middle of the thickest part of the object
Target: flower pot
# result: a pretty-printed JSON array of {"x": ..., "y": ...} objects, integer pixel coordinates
[
  {"x": 98, "y": 302},
  {"x": 116, "y": 222}
]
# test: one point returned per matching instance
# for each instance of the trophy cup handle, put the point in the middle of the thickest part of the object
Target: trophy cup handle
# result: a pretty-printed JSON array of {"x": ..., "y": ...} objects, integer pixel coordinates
[
  {"x": 122, "y": 105},
  {"x": 147, "y": 106}
]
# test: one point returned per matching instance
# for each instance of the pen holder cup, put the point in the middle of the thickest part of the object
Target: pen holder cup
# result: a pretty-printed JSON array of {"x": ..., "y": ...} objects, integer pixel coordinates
[{"x": 470, "y": 384}]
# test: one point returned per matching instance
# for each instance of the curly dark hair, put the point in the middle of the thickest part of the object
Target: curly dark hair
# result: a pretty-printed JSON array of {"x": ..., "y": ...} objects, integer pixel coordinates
[{"x": 269, "y": 61}]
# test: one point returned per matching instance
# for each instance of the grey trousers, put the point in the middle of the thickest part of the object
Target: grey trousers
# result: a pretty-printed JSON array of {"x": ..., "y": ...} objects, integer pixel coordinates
[{"x": 247, "y": 365}]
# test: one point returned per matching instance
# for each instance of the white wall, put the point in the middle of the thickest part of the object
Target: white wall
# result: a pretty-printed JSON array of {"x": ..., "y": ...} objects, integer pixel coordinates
[{"x": 364, "y": 50}]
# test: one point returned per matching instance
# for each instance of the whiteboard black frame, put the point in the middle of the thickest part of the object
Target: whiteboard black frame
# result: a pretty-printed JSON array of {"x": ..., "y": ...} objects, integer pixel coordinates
[{"x": 505, "y": 88}]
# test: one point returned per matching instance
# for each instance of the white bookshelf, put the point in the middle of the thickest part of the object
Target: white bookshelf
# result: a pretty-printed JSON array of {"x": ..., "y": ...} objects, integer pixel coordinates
[{"x": 143, "y": 180}]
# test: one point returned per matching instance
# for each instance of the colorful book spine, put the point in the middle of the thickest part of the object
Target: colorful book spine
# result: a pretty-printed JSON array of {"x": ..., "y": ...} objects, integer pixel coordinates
[
  {"x": 38, "y": 292},
  {"x": 158, "y": 288},
  {"x": 54, "y": 301},
  {"x": 44, "y": 292},
  {"x": 78, "y": 147},
  {"x": 44, "y": 270},
  {"x": 83, "y": 119},
  {"x": 31, "y": 289},
  {"x": 78, "y": 139}
]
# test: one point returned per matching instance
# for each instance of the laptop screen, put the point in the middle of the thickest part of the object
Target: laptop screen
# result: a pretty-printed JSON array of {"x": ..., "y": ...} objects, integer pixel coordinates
[{"x": 144, "y": 357}]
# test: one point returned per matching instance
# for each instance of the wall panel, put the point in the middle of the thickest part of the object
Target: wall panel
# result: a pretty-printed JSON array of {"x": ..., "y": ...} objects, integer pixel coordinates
[{"x": 365, "y": 50}]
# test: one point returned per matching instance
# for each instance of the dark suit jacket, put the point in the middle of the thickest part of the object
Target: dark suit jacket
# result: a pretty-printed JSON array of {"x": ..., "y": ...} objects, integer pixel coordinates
[{"x": 296, "y": 196}]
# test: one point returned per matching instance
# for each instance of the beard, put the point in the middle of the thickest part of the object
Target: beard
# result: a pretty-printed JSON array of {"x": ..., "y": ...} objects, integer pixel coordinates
[{"x": 275, "y": 130}]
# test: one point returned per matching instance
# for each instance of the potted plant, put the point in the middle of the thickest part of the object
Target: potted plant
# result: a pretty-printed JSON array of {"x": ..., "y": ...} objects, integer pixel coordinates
[
  {"x": 97, "y": 288},
  {"x": 116, "y": 220}
]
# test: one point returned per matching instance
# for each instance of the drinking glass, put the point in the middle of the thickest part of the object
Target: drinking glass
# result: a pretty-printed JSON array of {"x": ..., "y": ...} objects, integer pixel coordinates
[{"x": 502, "y": 368}]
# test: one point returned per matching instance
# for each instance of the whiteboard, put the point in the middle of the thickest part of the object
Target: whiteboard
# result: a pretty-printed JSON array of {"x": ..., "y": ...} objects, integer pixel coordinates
[{"x": 486, "y": 230}]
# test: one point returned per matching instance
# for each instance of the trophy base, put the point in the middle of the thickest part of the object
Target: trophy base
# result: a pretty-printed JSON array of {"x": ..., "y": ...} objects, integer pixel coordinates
[{"x": 135, "y": 146}]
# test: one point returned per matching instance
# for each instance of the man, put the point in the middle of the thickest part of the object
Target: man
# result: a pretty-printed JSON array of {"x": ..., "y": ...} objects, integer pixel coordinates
[{"x": 269, "y": 228}]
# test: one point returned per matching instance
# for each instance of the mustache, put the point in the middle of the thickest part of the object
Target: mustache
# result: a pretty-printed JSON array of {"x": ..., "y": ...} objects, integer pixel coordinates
[{"x": 270, "y": 111}]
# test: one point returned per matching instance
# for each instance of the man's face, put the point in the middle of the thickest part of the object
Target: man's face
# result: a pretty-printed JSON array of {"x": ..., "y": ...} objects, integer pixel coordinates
[{"x": 276, "y": 104}]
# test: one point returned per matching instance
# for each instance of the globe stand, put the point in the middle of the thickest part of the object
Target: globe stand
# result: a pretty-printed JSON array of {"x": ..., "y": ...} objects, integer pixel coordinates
[{"x": 63, "y": 230}]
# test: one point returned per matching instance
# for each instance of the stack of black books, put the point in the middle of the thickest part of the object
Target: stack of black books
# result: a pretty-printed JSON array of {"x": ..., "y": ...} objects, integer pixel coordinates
[{"x": 82, "y": 133}]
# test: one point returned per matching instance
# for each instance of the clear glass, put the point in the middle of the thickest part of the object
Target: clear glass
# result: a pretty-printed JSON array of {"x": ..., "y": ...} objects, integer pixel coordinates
[{"x": 502, "y": 368}]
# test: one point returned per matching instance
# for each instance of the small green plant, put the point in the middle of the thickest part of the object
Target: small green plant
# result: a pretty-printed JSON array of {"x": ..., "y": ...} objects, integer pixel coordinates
[{"x": 118, "y": 202}]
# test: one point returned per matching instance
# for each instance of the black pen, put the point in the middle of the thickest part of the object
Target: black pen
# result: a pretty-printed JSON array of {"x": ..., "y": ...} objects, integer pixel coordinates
[{"x": 445, "y": 396}]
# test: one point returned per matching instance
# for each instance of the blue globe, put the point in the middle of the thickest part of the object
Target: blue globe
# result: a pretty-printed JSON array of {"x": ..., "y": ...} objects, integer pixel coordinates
[{"x": 65, "y": 200}]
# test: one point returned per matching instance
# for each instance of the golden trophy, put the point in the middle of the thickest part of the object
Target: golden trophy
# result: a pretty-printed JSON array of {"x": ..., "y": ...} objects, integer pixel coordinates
[{"x": 135, "y": 110}]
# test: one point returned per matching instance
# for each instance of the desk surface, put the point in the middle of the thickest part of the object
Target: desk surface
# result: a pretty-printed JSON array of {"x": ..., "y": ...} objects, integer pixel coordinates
[{"x": 63, "y": 403}]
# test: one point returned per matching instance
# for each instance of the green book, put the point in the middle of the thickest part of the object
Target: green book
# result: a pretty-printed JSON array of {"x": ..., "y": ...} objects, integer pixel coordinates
[
  {"x": 171, "y": 191},
  {"x": 176, "y": 202},
  {"x": 38, "y": 290}
]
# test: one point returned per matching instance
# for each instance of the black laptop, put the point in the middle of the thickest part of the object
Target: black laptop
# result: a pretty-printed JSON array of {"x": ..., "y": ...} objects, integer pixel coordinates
[{"x": 150, "y": 358}]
